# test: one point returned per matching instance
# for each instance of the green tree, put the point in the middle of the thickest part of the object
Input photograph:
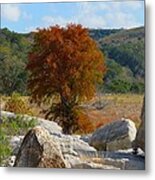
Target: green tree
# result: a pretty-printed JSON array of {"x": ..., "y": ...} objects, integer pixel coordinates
[
  {"x": 14, "y": 48},
  {"x": 12, "y": 74}
]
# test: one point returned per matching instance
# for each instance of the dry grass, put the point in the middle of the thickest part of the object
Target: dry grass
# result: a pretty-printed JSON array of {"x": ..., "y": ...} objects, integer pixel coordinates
[{"x": 117, "y": 106}]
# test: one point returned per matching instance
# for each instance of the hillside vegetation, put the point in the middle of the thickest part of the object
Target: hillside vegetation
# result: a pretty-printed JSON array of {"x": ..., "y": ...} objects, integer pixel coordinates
[
  {"x": 125, "y": 60},
  {"x": 123, "y": 51}
]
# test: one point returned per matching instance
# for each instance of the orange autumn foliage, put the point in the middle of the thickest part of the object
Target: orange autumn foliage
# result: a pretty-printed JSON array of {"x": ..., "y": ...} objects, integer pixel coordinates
[
  {"x": 85, "y": 124},
  {"x": 65, "y": 62}
]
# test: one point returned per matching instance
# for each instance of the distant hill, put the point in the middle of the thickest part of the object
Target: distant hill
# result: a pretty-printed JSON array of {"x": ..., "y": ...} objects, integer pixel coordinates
[
  {"x": 123, "y": 36},
  {"x": 98, "y": 34},
  {"x": 123, "y": 50},
  {"x": 125, "y": 57}
]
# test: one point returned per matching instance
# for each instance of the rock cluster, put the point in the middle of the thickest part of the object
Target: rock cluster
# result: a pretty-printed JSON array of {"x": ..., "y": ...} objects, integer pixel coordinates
[{"x": 109, "y": 147}]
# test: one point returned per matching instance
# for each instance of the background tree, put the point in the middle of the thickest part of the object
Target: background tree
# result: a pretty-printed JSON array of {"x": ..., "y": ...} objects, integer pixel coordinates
[
  {"x": 64, "y": 63},
  {"x": 14, "y": 49},
  {"x": 12, "y": 73}
]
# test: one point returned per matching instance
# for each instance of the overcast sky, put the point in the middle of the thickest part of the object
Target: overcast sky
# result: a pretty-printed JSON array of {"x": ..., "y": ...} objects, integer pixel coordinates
[{"x": 27, "y": 17}]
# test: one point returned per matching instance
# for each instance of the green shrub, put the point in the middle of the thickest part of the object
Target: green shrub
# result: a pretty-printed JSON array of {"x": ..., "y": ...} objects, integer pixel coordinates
[
  {"x": 138, "y": 87},
  {"x": 119, "y": 86},
  {"x": 18, "y": 105},
  {"x": 5, "y": 150},
  {"x": 12, "y": 127},
  {"x": 18, "y": 125}
]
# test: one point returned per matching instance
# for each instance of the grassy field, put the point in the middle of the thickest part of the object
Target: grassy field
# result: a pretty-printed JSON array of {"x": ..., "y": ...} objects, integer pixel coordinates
[
  {"x": 117, "y": 106},
  {"x": 114, "y": 107}
]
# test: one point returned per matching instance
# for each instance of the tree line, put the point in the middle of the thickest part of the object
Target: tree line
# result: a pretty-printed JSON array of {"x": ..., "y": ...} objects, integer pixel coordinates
[{"x": 123, "y": 52}]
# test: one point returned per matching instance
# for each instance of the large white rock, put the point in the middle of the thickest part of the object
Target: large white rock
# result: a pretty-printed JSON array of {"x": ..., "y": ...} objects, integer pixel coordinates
[
  {"x": 72, "y": 145},
  {"x": 39, "y": 149},
  {"x": 116, "y": 135},
  {"x": 50, "y": 126}
]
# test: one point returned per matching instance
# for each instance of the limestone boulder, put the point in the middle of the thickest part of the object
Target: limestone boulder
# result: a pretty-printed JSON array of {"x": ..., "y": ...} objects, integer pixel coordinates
[
  {"x": 72, "y": 145},
  {"x": 39, "y": 149},
  {"x": 52, "y": 127},
  {"x": 114, "y": 136}
]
